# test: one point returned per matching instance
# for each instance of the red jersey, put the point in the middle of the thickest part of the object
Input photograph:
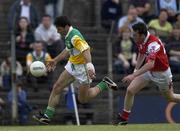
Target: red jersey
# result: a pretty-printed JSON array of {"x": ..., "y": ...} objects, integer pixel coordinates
[{"x": 154, "y": 49}]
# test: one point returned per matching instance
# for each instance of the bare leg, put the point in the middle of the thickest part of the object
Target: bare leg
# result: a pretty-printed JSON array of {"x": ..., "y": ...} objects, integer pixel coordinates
[
  {"x": 171, "y": 96},
  {"x": 63, "y": 81},
  {"x": 135, "y": 86},
  {"x": 86, "y": 93}
]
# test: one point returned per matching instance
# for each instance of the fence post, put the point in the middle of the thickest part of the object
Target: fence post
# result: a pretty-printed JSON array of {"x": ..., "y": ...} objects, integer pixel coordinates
[{"x": 110, "y": 70}]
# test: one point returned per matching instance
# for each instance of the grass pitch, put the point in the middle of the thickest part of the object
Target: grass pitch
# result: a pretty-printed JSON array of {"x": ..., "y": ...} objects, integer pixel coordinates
[{"x": 130, "y": 127}]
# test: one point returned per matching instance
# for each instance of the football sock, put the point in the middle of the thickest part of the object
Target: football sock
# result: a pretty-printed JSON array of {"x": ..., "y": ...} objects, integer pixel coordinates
[
  {"x": 125, "y": 115},
  {"x": 102, "y": 86},
  {"x": 49, "y": 112}
]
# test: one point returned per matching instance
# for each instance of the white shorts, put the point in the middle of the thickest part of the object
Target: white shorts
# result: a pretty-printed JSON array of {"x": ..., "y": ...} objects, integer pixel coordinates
[
  {"x": 162, "y": 79},
  {"x": 79, "y": 71}
]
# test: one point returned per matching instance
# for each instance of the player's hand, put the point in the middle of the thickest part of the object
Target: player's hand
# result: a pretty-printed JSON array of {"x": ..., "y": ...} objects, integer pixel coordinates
[
  {"x": 128, "y": 78},
  {"x": 92, "y": 74},
  {"x": 51, "y": 65},
  {"x": 91, "y": 70}
]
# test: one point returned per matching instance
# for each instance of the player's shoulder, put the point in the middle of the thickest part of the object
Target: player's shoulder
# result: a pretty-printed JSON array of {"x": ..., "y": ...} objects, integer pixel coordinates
[
  {"x": 75, "y": 33},
  {"x": 153, "y": 38}
]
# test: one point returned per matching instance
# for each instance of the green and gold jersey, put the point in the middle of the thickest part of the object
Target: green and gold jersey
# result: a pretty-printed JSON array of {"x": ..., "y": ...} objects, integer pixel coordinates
[{"x": 76, "y": 44}]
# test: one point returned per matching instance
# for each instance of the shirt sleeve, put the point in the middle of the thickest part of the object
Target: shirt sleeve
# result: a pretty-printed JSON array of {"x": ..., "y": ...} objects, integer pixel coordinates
[
  {"x": 79, "y": 43},
  {"x": 48, "y": 57},
  {"x": 29, "y": 59},
  {"x": 153, "y": 49},
  {"x": 37, "y": 36}
]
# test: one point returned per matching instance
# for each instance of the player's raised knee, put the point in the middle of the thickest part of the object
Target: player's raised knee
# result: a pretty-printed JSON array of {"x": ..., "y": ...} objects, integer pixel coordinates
[
  {"x": 170, "y": 98},
  {"x": 130, "y": 91}
]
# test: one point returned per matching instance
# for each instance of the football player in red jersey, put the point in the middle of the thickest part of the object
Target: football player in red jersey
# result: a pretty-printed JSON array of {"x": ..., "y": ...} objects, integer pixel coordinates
[{"x": 156, "y": 69}]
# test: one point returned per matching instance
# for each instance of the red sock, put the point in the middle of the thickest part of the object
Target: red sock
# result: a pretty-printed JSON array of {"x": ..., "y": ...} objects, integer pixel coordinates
[{"x": 125, "y": 115}]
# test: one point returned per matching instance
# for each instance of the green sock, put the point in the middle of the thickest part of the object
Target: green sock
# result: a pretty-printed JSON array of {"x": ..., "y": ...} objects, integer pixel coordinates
[
  {"x": 49, "y": 112},
  {"x": 102, "y": 86}
]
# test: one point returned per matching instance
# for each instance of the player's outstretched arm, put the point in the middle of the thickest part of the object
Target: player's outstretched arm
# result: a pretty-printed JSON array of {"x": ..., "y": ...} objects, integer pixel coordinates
[
  {"x": 64, "y": 54},
  {"x": 51, "y": 64},
  {"x": 140, "y": 60},
  {"x": 144, "y": 68}
]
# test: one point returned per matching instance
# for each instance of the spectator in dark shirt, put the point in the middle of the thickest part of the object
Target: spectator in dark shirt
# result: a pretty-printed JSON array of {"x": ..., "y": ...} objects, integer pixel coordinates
[
  {"x": 23, "y": 107},
  {"x": 24, "y": 39},
  {"x": 54, "y": 8},
  {"x": 111, "y": 11},
  {"x": 22, "y": 8},
  {"x": 173, "y": 51},
  {"x": 176, "y": 26},
  {"x": 143, "y": 8},
  {"x": 125, "y": 53}
]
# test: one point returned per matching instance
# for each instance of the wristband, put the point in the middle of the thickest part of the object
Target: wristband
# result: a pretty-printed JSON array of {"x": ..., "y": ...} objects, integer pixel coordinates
[{"x": 90, "y": 66}]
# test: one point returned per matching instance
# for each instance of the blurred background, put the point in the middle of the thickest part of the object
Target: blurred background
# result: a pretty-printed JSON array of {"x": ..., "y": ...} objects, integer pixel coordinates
[{"x": 27, "y": 34}]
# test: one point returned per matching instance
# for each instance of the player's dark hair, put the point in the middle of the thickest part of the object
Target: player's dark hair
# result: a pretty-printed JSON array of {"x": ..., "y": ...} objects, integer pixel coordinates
[
  {"x": 62, "y": 21},
  {"x": 141, "y": 28}
]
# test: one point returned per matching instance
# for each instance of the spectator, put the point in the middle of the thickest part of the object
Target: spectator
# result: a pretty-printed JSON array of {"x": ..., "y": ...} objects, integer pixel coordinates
[
  {"x": 40, "y": 55},
  {"x": 24, "y": 39},
  {"x": 6, "y": 72},
  {"x": 22, "y": 8},
  {"x": 171, "y": 6},
  {"x": 130, "y": 19},
  {"x": 176, "y": 29},
  {"x": 23, "y": 107},
  {"x": 47, "y": 33},
  {"x": 162, "y": 26},
  {"x": 126, "y": 53},
  {"x": 111, "y": 11},
  {"x": 143, "y": 8},
  {"x": 54, "y": 8},
  {"x": 50, "y": 8},
  {"x": 173, "y": 51}
]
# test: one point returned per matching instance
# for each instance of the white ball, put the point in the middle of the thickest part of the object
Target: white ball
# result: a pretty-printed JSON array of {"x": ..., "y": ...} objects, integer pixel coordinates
[{"x": 37, "y": 69}]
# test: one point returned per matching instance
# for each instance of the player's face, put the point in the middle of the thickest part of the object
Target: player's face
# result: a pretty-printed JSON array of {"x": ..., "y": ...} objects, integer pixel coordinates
[
  {"x": 138, "y": 38},
  {"x": 62, "y": 31}
]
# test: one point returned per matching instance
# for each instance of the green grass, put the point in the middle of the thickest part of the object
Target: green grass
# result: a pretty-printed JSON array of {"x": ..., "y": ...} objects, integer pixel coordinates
[{"x": 130, "y": 127}]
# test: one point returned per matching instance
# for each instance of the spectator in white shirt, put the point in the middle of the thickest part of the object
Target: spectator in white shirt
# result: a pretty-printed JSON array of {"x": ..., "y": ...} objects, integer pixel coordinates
[
  {"x": 130, "y": 19},
  {"x": 6, "y": 72},
  {"x": 47, "y": 33}
]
